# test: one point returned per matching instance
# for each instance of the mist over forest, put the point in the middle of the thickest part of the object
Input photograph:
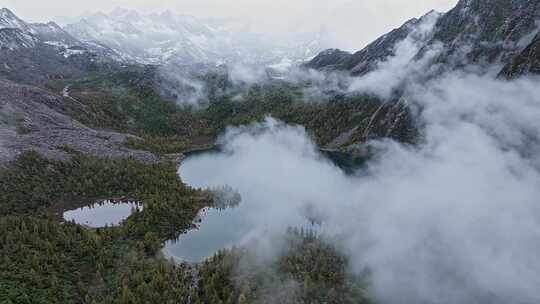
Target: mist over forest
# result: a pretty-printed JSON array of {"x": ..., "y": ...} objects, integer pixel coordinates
[{"x": 149, "y": 156}]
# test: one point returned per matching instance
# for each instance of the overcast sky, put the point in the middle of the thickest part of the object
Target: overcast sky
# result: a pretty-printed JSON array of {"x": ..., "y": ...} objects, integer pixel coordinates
[{"x": 353, "y": 23}]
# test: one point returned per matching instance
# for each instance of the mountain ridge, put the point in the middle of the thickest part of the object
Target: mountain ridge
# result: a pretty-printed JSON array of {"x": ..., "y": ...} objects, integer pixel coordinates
[
  {"x": 34, "y": 53},
  {"x": 527, "y": 62},
  {"x": 483, "y": 33},
  {"x": 157, "y": 38}
]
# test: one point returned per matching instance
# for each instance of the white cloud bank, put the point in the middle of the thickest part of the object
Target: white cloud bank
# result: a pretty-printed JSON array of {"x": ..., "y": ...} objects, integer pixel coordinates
[
  {"x": 457, "y": 219},
  {"x": 394, "y": 71},
  {"x": 453, "y": 220}
]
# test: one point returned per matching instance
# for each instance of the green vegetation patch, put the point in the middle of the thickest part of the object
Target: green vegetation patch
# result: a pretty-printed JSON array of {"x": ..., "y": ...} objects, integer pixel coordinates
[
  {"x": 309, "y": 270},
  {"x": 32, "y": 184}
]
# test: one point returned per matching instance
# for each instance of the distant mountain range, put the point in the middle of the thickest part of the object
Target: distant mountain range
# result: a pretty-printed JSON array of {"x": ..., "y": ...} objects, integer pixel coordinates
[
  {"x": 500, "y": 37},
  {"x": 17, "y": 34},
  {"x": 159, "y": 38},
  {"x": 493, "y": 35},
  {"x": 489, "y": 34},
  {"x": 37, "y": 52}
]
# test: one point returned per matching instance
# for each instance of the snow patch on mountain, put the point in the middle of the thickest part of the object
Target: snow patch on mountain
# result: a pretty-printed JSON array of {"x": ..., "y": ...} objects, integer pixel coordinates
[
  {"x": 9, "y": 20},
  {"x": 159, "y": 38}
]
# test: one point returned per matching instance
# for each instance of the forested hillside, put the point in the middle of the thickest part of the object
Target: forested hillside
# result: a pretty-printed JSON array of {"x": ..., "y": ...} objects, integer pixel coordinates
[{"x": 82, "y": 123}]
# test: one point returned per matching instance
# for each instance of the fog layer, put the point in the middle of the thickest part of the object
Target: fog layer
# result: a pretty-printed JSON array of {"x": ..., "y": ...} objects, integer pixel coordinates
[{"x": 452, "y": 220}]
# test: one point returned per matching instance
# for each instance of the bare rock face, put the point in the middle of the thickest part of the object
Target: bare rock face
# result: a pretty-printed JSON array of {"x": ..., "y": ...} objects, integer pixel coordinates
[
  {"x": 34, "y": 53},
  {"x": 331, "y": 59},
  {"x": 484, "y": 33},
  {"x": 29, "y": 120},
  {"x": 527, "y": 62},
  {"x": 365, "y": 60}
]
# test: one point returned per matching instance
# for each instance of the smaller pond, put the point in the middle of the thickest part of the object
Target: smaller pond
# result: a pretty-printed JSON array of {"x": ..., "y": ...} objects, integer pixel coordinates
[{"x": 103, "y": 213}]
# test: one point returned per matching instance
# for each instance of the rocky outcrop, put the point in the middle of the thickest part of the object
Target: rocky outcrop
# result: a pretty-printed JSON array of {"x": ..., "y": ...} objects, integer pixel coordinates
[
  {"x": 12, "y": 39},
  {"x": 34, "y": 53},
  {"x": 30, "y": 119},
  {"x": 365, "y": 60},
  {"x": 483, "y": 33},
  {"x": 42, "y": 63},
  {"x": 527, "y": 62},
  {"x": 331, "y": 59}
]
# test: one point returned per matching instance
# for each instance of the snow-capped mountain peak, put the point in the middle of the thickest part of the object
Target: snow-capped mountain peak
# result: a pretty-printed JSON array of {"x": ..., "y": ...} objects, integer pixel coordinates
[
  {"x": 50, "y": 38},
  {"x": 157, "y": 38},
  {"x": 9, "y": 20}
]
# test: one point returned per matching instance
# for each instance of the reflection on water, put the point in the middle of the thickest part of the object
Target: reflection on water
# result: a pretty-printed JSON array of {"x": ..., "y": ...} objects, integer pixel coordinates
[
  {"x": 218, "y": 228},
  {"x": 103, "y": 213}
]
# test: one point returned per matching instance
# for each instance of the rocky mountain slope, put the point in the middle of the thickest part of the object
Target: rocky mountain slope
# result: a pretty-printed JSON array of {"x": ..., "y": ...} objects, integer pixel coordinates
[
  {"x": 51, "y": 53},
  {"x": 483, "y": 33},
  {"x": 159, "y": 38},
  {"x": 486, "y": 33},
  {"x": 32, "y": 119},
  {"x": 35, "y": 52},
  {"x": 527, "y": 62},
  {"x": 479, "y": 36},
  {"x": 366, "y": 60}
]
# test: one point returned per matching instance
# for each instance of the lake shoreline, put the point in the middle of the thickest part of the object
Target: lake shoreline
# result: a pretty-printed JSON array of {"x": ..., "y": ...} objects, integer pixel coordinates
[
  {"x": 212, "y": 225},
  {"x": 57, "y": 209}
]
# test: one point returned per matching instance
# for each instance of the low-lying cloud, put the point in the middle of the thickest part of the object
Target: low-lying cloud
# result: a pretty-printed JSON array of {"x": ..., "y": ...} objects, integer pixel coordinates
[
  {"x": 394, "y": 71},
  {"x": 194, "y": 85},
  {"x": 453, "y": 220}
]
